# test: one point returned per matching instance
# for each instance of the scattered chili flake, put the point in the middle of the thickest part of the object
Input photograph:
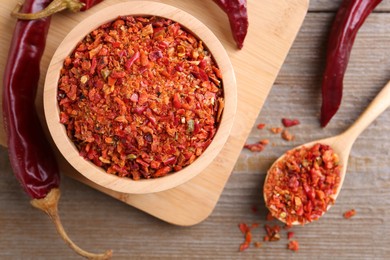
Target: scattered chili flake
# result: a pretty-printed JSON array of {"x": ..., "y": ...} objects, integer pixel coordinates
[
  {"x": 248, "y": 237},
  {"x": 260, "y": 126},
  {"x": 140, "y": 97},
  {"x": 256, "y": 147},
  {"x": 254, "y": 209},
  {"x": 273, "y": 233},
  {"x": 287, "y": 227},
  {"x": 349, "y": 214},
  {"x": 244, "y": 246},
  {"x": 257, "y": 244},
  {"x": 264, "y": 142},
  {"x": 293, "y": 245},
  {"x": 290, "y": 234},
  {"x": 243, "y": 227},
  {"x": 269, "y": 216},
  {"x": 286, "y": 135},
  {"x": 255, "y": 225},
  {"x": 301, "y": 186},
  {"x": 246, "y": 230},
  {"x": 276, "y": 130},
  {"x": 290, "y": 122}
]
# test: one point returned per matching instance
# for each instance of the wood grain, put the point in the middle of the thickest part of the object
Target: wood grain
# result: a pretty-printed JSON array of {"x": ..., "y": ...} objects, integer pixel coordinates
[{"x": 98, "y": 222}]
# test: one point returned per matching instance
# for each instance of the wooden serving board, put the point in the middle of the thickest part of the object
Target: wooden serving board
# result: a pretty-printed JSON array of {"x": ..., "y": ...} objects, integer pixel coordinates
[{"x": 272, "y": 30}]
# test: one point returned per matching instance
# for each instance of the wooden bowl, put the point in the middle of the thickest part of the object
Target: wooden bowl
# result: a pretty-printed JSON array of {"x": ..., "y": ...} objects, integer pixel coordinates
[{"x": 97, "y": 174}]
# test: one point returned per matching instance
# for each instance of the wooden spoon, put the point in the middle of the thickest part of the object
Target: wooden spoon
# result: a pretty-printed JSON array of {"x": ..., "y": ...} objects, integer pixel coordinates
[{"x": 342, "y": 143}]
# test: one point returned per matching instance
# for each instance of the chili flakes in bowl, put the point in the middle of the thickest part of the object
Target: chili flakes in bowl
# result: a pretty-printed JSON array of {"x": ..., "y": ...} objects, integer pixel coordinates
[{"x": 140, "y": 97}]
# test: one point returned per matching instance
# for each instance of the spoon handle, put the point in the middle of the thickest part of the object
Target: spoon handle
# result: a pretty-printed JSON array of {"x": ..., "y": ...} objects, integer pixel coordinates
[{"x": 380, "y": 103}]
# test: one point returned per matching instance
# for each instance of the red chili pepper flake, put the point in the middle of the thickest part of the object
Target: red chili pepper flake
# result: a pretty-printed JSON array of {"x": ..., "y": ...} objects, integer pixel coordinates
[
  {"x": 269, "y": 217},
  {"x": 255, "y": 225},
  {"x": 257, "y": 147},
  {"x": 140, "y": 97},
  {"x": 246, "y": 230},
  {"x": 257, "y": 244},
  {"x": 349, "y": 214},
  {"x": 287, "y": 227},
  {"x": 260, "y": 126},
  {"x": 254, "y": 209},
  {"x": 243, "y": 227},
  {"x": 273, "y": 233},
  {"x": 276, "y": 130},
  {"x": 301, "y": 186},
  {"x": 290, "y": 234},
  {"x": 264, "y": 142},
  {"x": 290, "y": 122},
  {"x": 286, "y": 135},
  {"x": 293, "y": 245},
  {"x": 244, "y": 246}
]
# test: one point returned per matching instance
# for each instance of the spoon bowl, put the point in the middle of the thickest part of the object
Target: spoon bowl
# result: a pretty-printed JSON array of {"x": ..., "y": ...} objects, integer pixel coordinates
[{"x": 342, "y": 143}]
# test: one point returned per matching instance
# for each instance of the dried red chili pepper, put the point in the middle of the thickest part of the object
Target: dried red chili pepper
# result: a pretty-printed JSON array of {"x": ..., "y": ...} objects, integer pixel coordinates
[
  {"x": 87, "y": 4},
  {"x": 238, "y": 18},
  {"x": 30, "y": 155},
  {"x": 53, "y": 7},
  {"x": 300, "y": 187},
  {"x": 38, "y": 173},
  {"x": 349, "y": 18}
]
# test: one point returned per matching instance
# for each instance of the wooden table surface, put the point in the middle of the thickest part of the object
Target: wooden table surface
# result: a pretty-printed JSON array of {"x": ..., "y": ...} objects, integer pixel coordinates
[{"x": 96, "y": 221}]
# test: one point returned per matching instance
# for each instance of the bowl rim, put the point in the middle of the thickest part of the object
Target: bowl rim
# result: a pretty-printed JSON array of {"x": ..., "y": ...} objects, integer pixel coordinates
[{"x": 66, "y": 146}]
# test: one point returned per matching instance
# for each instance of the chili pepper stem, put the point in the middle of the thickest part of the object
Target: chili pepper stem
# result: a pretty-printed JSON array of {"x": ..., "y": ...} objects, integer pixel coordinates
[
  {"x": 49, "y": 205},
  {"x": 54, "y": 7}
]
